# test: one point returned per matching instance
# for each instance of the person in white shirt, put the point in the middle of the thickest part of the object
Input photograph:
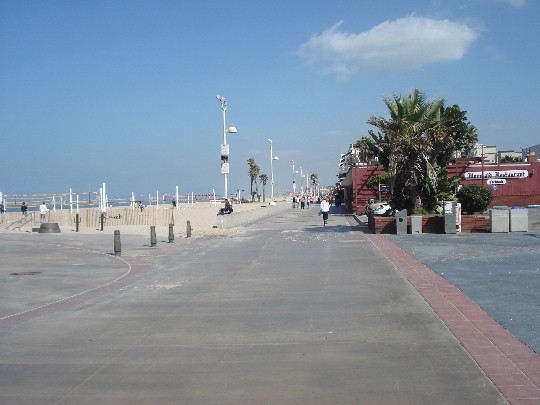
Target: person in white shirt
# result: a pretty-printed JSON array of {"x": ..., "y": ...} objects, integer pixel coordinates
[
  {"x": 43, "y": 210},
  {"x": 325, "y": 208}
]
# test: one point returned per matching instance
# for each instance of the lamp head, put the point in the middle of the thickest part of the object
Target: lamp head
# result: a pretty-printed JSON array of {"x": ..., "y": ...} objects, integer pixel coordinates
[
  {"x": 275, "y": 158},
  {"x": 232, "y": 130}
]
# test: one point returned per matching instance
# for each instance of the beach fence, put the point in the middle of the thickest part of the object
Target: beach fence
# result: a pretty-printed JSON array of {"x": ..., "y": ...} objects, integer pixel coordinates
[{"x": 91, "y": 217}]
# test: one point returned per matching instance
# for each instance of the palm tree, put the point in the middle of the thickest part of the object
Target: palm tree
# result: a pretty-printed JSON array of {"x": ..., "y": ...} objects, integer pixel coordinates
[
  {"x": 415, "y": 145},
  {"x": 405, "y": 134},
  {"x": 253, "y": 174},
  {"x": 264, "y": 179},
  {"x": 313, "y": 180},
  {"x": 256, "y": 170}
]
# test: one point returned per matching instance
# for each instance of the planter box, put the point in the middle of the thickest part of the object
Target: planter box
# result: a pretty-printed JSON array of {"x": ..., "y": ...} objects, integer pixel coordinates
[
  {"x": 475, "y": 223},
  {"x": 431, "y": 224},
  {"x": 382, "y": 224}
]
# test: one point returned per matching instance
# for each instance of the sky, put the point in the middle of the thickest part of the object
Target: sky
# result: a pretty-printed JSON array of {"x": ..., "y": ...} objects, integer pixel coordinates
[{"x": 124, "y": 92}]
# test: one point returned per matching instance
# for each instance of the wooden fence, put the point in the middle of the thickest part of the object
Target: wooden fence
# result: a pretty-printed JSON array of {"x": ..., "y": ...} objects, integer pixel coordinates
[{"x": 91, "y": 217}]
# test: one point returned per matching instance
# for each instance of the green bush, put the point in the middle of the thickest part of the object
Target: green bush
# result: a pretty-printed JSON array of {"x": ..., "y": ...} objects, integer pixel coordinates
[{"x": 474, "y": 198}]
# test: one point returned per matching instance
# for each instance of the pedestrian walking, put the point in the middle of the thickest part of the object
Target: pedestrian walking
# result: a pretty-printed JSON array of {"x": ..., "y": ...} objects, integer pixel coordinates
[{"x": 325, "y": 208}]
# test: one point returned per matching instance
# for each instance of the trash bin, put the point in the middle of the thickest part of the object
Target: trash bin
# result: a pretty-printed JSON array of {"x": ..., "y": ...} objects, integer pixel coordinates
[
  {"x": 450, "y": 216},
  {"x": 499, "y": 220},
  {"x": 519, "y": 219},
  {"x": 401, "y": 222},
  {"x": 416, "y": 224}
]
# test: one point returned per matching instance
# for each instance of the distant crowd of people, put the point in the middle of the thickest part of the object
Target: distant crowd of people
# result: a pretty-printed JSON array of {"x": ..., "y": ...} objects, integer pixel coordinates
[
  {"x": 303, "y": 201},
  {"x": 325, "y": 202}
]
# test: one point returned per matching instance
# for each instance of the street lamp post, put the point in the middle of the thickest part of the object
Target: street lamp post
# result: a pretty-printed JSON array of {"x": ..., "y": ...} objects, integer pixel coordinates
[
  {"x": 301, "y": 181},
  {"x": 272, "y": 158},
  {"x": 293, "y": 179},
  {"x": 224, "y": 146}
]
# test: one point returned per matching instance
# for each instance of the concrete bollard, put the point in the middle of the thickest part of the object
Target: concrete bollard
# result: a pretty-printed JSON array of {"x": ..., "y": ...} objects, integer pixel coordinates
[
  {"x": 153, "y": 239},
  {"x": 77, "y": 221},
  {"x": 171, "y": 233},
  {"x": 188, "y": 229},
  {"x": 117, "y": 243},
  {"x": 102, "y": 220}
]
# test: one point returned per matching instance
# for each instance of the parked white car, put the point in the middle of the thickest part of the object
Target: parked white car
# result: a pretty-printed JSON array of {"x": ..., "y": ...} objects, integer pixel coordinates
[{"x": 383, "y": 210}]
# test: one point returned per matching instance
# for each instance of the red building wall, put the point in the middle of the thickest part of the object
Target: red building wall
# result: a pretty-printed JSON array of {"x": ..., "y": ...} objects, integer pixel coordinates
[
  {"x": 359, "y": 192},
  {"x": 517, "y": 191}
]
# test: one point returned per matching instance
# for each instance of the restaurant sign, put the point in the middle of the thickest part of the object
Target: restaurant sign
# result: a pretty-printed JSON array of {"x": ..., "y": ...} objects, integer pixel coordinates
[{"x": 497, "y": 174}]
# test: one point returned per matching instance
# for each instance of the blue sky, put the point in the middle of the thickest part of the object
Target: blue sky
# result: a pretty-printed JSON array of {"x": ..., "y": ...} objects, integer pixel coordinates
[{"x": 124, "y": 92}]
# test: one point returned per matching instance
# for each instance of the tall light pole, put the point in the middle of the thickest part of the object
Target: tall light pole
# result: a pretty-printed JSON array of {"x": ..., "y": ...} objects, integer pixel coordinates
[
  {"x": 301, "y": 181},
  {"x": 272, "y": 158},
  {"x": 293, "y": 179},
  {"x": 224, "y": 146}
]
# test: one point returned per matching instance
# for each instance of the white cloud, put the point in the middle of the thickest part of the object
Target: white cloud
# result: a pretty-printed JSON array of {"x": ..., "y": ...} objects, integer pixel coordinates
[{"x": 403, "y": 44}]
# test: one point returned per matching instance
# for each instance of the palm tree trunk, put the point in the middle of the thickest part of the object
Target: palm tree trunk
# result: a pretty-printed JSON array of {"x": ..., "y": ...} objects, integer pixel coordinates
[{"x": 257, "y": 190}]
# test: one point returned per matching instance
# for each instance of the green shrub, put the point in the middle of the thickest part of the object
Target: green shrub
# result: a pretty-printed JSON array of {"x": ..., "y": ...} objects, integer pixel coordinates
[{"x": 474, "y": 198}]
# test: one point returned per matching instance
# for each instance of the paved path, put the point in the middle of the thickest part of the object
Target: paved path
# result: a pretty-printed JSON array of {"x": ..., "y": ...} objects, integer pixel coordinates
[{"x": 287, "y": 312}]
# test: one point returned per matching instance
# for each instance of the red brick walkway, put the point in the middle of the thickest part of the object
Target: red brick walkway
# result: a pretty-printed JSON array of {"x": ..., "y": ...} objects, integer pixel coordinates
[{"x": 512, "y": 366}]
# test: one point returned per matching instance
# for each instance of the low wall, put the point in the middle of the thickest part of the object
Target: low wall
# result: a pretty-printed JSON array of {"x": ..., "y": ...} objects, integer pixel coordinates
[
  {"x": 236, "y": 219},
  {"x": 475, "y": 223}
]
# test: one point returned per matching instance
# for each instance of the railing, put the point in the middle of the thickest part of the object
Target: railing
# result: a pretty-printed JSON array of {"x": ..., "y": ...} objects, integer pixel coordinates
[{"x": 21, "y": 222}]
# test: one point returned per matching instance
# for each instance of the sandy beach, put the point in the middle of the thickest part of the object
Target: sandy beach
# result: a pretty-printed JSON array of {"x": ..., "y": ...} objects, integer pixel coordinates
[{"x": 201, "y": 216}]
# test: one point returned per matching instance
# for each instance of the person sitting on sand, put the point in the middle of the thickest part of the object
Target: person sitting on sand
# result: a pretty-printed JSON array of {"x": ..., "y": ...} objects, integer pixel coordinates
[{"x": 227, "y": 209}]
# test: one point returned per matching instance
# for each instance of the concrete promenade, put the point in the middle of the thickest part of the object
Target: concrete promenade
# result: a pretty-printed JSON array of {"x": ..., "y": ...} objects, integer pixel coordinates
[{"x": 287, "y": 312}]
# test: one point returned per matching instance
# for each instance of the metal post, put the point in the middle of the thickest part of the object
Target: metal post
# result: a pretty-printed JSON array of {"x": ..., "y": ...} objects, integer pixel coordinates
[
  {"x": 153, "y": 239},
  {"x": 76, "y": 222},
  {"x": 117, "y": 244},
  {"x": 171, "y": 233},
  {"x": 188, "y": 229},
  {"x": 102, "y": 220}
]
